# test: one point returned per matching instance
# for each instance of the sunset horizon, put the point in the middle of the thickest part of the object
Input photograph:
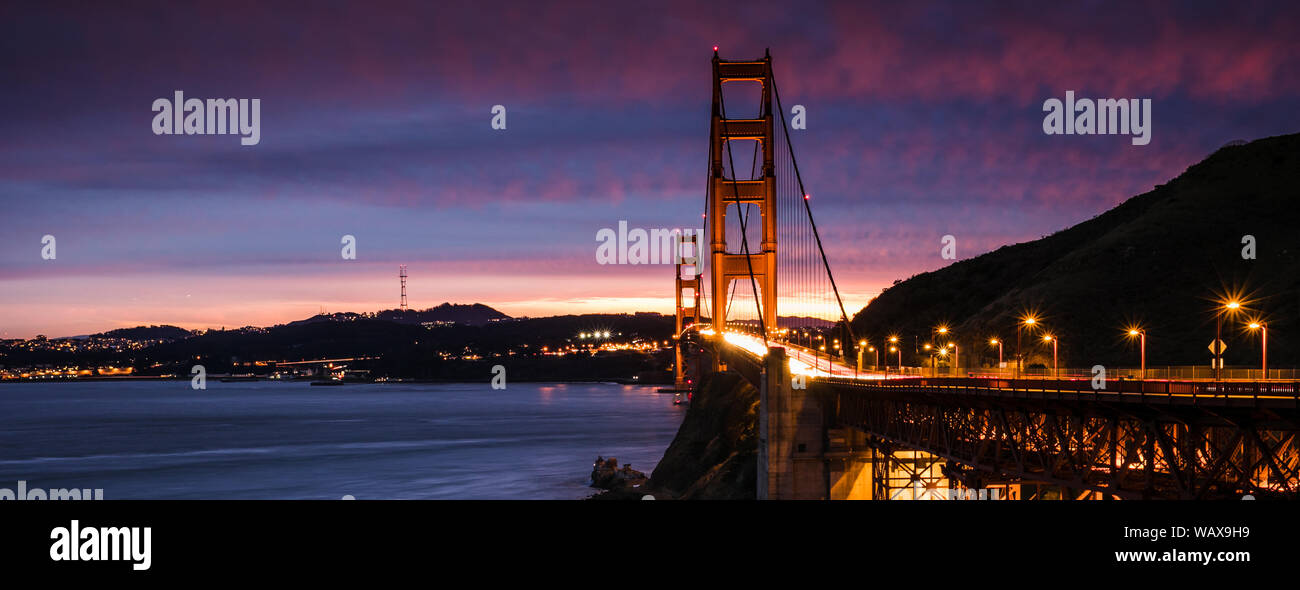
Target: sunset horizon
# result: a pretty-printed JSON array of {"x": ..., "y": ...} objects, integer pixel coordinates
[{"x": 249, "y": 234}]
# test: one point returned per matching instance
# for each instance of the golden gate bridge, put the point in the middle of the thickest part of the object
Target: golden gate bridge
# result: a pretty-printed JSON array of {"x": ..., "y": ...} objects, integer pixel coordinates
[{"x": 833, "y": 428}]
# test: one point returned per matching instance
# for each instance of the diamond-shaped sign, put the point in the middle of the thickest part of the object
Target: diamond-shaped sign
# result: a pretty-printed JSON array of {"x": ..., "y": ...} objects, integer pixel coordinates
[{"x": 1218, "y": 346}]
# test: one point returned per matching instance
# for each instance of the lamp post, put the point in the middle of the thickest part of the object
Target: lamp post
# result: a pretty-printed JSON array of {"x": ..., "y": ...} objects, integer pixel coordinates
[
  {"x": 876, "y": 365},
  {"x": 822, "y": 348},
  {"x": 934, "y": 368},
  {"x": 943, "y": 331},
  {"x": 893, "y": 341},
  {"x": 1020, "y": 357},
  {"x": 1049, "y": 338},
  {"x": 1263, "y": 334},
  {"x": 956, "y": 357},
  {"x": 1142, "y": 335},
  {"x": 862, "y": 347},
  {"x": 997, "y": 342},
  {"x": 1228, "y": 307}
]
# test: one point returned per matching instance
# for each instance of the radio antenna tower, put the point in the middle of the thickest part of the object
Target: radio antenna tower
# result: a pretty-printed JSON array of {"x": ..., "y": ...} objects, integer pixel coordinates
[{"x": 401, "y": 273}]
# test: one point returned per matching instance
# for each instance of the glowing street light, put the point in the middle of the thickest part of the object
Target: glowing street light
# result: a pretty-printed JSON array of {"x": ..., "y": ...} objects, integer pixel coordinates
[
  {"x": 1142, "y": 333},
  {"x": 998, "y": 343},
  {"x": 893, "y": 340},
  {"x": 1263, "y": 334},
  {"x": 1049, "y": 338},
  {"x": 1228, "y": 307},
  {"x": 1029, "y": 322},
  {"x": 862, "y": 347}
]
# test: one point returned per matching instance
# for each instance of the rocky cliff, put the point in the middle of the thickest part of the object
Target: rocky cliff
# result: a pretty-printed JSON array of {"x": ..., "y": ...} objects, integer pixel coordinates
[{"x": 715, "y": 453}]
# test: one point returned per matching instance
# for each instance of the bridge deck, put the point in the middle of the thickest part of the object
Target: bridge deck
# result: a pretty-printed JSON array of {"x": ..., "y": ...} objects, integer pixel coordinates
[{"x": 819, "y": 368}]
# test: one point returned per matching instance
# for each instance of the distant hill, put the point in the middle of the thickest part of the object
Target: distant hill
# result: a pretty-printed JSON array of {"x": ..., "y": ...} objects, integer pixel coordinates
[
  {"x": 1159, "y": 258},
  {"x": 794, "y": 322},
  {"x": 475, "y": 314},
  {"x": 147, "y": 333},
  {"x": 403, "y": 349}
]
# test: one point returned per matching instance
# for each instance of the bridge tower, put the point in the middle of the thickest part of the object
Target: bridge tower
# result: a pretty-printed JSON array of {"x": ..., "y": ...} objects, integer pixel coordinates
[
  {"x": 688, "y": 303},
  {"x": 741, "y": 262}
]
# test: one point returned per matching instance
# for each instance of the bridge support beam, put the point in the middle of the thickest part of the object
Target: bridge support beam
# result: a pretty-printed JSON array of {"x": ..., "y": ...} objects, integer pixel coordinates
[
  {"x": 792, "y": 434},
  {"x": 851, "y": 464}
]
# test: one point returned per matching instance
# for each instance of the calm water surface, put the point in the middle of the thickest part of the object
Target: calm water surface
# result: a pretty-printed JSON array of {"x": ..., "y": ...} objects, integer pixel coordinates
[{"x": 266, "y": 440}]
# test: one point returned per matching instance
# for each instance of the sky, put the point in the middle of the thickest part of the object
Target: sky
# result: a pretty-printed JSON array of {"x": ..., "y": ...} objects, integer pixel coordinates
[{"x": 923, "y": 120}]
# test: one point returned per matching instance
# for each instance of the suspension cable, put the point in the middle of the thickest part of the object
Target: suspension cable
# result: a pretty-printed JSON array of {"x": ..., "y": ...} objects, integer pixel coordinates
[{"x": 816, "y": 235}]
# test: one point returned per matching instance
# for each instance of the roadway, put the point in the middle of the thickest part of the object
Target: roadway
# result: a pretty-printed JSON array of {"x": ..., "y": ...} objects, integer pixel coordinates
[{"x": 804, "y": 361}]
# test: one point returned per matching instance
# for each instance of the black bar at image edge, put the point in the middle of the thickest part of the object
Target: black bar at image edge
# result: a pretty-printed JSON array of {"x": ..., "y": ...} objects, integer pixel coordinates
[{"x": 302, "y": 537}]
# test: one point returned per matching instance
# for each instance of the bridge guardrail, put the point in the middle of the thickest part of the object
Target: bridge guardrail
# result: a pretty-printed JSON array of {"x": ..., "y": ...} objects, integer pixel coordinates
[{"x": 1287, "y": 393}]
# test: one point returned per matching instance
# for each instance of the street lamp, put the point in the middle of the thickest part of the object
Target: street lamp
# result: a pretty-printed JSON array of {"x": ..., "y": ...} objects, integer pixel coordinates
[
  {"x": 894, "y": 341},
  {"x": 998, "y": 343},
  {"x": 1049, "y": 338},
  {"x": 1142, "y": 333},
  {"x": 1263, "y": 334},
  {"x": 1228, "y": 307},
  {"x": 1020, "y": 358},
  {"x": 862, "y": 347},
  {"x": 943, "y": 331}
]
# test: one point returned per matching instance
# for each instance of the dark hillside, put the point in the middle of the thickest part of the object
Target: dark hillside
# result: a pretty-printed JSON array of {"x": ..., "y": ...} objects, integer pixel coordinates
[{"x": 1159, "y": 259}]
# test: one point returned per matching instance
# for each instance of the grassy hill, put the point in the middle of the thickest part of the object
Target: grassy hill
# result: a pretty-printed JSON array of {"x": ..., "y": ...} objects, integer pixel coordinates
[{"x": 1160, "y": 259}]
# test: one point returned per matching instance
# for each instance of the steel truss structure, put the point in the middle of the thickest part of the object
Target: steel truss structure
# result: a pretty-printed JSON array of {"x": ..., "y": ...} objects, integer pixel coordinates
[{"x": 1124, "y": 448}]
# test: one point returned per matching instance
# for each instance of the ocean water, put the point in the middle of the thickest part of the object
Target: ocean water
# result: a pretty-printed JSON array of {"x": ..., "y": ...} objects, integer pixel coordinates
[{"x": 274, "y": 440}]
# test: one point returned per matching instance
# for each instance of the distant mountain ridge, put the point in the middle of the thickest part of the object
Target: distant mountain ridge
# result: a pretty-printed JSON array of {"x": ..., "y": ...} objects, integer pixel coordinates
[
  {"x": 475, "y": 314},
  {"x": 164, "y": 332},
  {"x": 1161, "y": 259}
]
